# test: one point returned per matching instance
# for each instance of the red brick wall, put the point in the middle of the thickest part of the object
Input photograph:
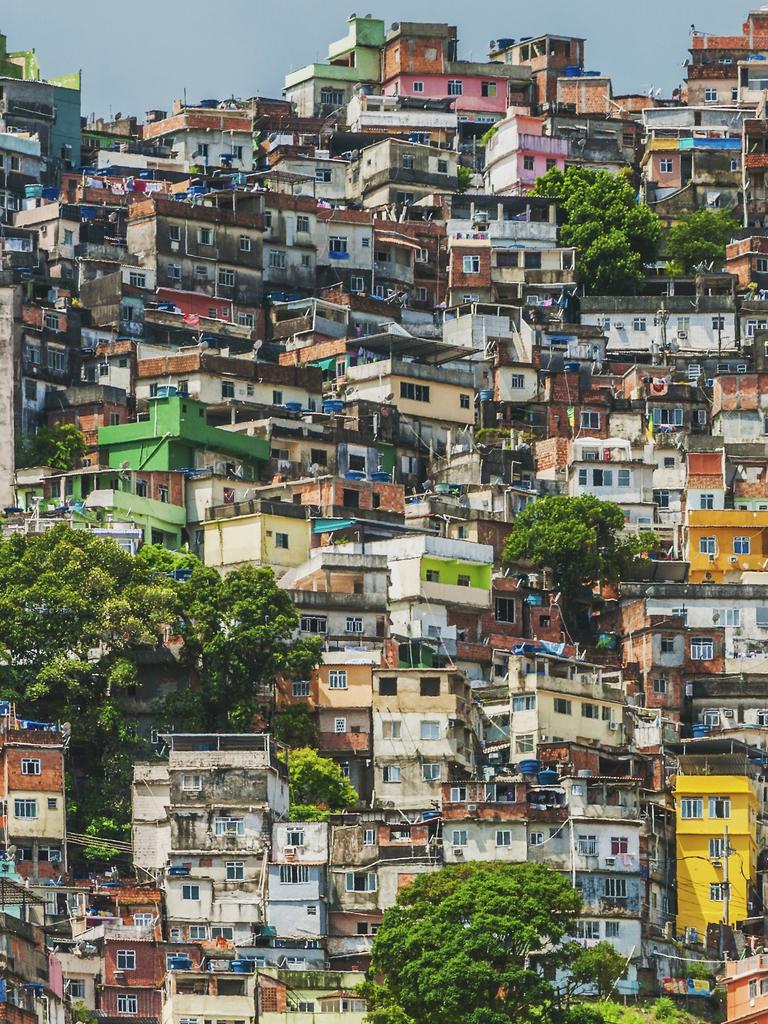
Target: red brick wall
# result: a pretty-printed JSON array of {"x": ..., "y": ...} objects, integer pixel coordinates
[
  {"x": 456, "y": 276},
  {"x": 51, "y": 777}
]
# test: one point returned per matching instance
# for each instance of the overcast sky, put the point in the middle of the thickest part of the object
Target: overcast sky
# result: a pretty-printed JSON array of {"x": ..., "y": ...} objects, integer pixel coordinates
[{"x": 138, "y": 56}]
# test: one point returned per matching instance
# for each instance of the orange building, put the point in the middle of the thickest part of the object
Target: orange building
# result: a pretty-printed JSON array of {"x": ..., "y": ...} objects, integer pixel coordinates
[{"x": 746, "y": 986}]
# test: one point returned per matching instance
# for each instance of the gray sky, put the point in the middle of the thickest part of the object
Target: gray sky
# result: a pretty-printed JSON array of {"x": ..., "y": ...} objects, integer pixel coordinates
[{"x": 135, "y": 57}]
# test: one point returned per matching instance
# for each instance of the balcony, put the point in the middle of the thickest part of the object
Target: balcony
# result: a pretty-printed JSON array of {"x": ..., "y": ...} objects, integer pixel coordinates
[{"x": 448, "y": 593}]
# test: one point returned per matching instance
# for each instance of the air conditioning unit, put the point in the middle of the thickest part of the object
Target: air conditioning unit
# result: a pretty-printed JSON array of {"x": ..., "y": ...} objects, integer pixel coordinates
[
  {"x": 610, "y": 861},
  {"x": 290, "y": 851},
  {"x": 614, "y": 725},
  {"x": 619, "y": 325},
  {"x": 175, "y": 246},
  {"x": 682, "y": 335},
  {"x": 711, "y": 558},
  {"x": 471, "y": 807},
  {"x": 458, "y": 851},
  {"x": 733, "y": 559},
  {"x": 727, "y": 712},
  {"x": 531, "y": 300}
]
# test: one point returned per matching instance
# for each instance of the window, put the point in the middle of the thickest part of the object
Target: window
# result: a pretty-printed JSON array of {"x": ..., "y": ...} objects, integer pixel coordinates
[
  {"x": 191, "y": 893},
  {"x": 332, "y": 97},
  {"x": 524, "y": 702},
  {"x": 667, "y": 645},
  {"x": 163, "y": 493},
  {"x": 205, "y": 236},
  {"x": 505, "y": 609},
  {"x": 141, "y": 488},
  {"x": 337, "y": 679},
  {"x": 126, "y": 959},
  {"x": 741, "y": 545},
  {"x": 313, "y": 624},
  {"x": 57, "y": 359},
  {"x": 516, "y": 380},
  {"x": 528, "y": 163},
  {"x": 414, "y": 392},
  {"x": 471, "y": 264},
  {"x": 442, "y": 166},
  {"x": 30, "y": 766},
  {"x": 458, "y": 794},
  {"x": 226, "y": 278},
  {"x": 137, "y": 280},
  {"x": 660, "y": 684},
  {"x": 615, "y": 888},
  {"x": 337, "y": 244},
  {"x": 503, "y": 837},
  {"x": 340, "y": 725},
  {"x": 75, "y": 987},
  {"x": 718, "y": 323},
  {"x": 429, "y": 687},
  {"x": 727, "y": 616},
  {"x": 464, "y": 401},
  {"x": 612, "y": 929},
  {"x": 191, "y": 783},
  {"x": 369, "y": 837},
  {"x": 128, "y": 1004},
  {"x": 430, "y": 772},
  {"x": 692, "y": 807},
  {"x": 624, "y": 477},
  {"x": 587, "y": 845},
  {"x": 388, "y": 686},
  {"x": 707, "y": 501},
  {"x": 702, "y": 649},
  {"x": 587, "y": 930},
  {"x": 524, "y": 743},
  {"x": 390, "y": 730},
  {"x": 357, "y": 284},
  {"x": 716, "y": 848},
  {"x": 430, "y": 731},
  {"x": 719, "y": 807},
  {"x": 562, "y": 706},
  {"x": 589, "y": 420},
  {"x": 360, "y": 881},
  {"x": 463, "y": 581},
  {"x": 707, "y": 546},
  {"x": 666, "y": 166},
  {"x": 536, "y": 839},
  {"x": 302, "y": 223},
  {"x": 455, "y": 87},
  {"x": 294, "y": 874},
  {"x": 281, "y": 541},
  {"x": 590, "y": 711},
  {"x": 619, "y": 844},
  {"x": 639, "y": 323},
  {"x": 245, "y": 319},
  {"x": 235, "y": 870},
  {"x": 391, "y": 773},
  {"x": 408, "y": 161},
  {"x": 229, "y": 826},
  {"x": 418, "y": 87},
  {"x": 710, "y": 95},
  {"x": 25, "y": 808},
  {"x": 718, "y": 891}
]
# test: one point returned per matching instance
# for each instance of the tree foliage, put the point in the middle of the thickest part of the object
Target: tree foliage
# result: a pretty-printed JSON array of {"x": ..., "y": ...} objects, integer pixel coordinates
[
  {"x": 59, "y": 447},
  {"x": 239, "y": 634},
  {"x": 295, "y": 726},
  {"x": 614, "y": 235},
  {"x": 74, "y": 612},
  {"x": 597, "y": 966},
  {"x": 457, "y": 946},
  {"x": 699, "y": 237},
  {"x": 579, "y": 539},
  {"x": 317, "y": 786}
]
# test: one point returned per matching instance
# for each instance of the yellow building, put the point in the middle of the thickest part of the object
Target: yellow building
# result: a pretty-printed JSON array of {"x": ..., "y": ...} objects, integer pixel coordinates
[
  {"x": 257, "y": 532},
  {"x": 723, "y": 543},
  {"x": 716, "y": 819}
]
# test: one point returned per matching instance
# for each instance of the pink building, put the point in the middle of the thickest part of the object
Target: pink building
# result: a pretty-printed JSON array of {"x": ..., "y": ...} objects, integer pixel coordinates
[
  {"x": 519, "y": 153},
  {"x": 472, "y": 93}
]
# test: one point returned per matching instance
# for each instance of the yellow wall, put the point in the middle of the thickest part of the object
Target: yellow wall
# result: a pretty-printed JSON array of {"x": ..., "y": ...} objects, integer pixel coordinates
[
  {"x": 253, "y": 539},
  {"x": 724, "y": 525},
  {"x": 695, "y": 870}
]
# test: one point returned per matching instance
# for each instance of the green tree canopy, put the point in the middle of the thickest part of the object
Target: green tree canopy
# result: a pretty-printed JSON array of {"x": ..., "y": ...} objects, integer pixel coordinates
[
  {"x": 579, "y": 539},
  {"x": 614, "y": 235},
  {"x": 317, "y": 786},
  {"x": 597, "y": 966},
  {"x": 239, "y": 633},
  {"x": 74, "y": 612},
  {"x": 59, "y": 447},
  {"x": 700, "y": 237},
  {"x": 456, "y": 947}
]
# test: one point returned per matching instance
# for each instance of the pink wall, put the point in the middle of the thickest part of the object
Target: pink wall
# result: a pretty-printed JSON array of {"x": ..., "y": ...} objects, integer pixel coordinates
[{"x": 436, "y": 87}]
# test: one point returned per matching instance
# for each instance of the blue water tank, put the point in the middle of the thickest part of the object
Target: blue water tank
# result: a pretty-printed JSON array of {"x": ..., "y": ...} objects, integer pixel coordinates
[
  {"x": 179, "y": 963},
  {"x": 380, "y": 477},
  {"x": 178, "y": 869},
  {"x": 486, "y": 395},
  {"x": 354, "y": 474},
  {"x": 548, "y": 777},
  {"x": 333, "y": 405},
  {"x": 244, "y": 965},
  {"x": 530, "y": 767},
  {"x": 293, "y": 406},
  {"x": 699, "y": 730},
  {"x": 571, "y": 367}
]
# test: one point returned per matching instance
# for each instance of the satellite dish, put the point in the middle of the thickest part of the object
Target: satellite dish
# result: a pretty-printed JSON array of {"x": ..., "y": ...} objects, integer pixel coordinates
[{"x": 314, "y": 469}]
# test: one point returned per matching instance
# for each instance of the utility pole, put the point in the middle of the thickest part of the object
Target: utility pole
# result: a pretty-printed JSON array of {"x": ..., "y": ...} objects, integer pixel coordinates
[{"x": 726, "y": 892}]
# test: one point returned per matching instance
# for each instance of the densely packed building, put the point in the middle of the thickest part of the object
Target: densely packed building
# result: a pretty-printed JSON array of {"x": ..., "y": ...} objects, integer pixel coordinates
[{"x": 334, "y": 334}]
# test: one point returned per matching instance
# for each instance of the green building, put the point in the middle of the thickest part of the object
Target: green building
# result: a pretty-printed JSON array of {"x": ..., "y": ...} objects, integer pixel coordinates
[
  {"x": 319, "y": 89},
  {"x": 175, "y": 435}
]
